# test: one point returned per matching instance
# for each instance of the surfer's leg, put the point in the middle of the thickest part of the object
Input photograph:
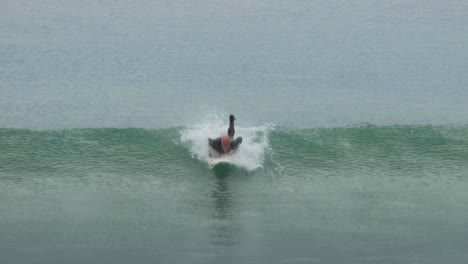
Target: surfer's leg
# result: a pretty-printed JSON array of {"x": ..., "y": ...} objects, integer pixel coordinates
[
  {"x": 216, "y": 144},
  {"x": 231, "y": 130},
  {"x": 235, "y": 143}
]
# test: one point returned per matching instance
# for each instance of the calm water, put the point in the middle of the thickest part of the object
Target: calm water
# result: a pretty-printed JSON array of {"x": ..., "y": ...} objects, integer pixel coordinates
[{"x": 353, "y": 114}]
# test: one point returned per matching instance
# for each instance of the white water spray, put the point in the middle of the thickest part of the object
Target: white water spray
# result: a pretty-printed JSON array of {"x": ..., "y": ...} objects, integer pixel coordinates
[{"x": 250, "y": 155}]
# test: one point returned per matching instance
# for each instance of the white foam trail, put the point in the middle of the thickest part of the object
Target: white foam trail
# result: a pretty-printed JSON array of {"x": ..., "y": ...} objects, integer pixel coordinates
[{"x": 250, "y": 155}]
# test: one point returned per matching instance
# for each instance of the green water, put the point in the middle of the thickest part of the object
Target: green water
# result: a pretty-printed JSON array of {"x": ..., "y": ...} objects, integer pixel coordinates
[{"x": 361, "y": 194}]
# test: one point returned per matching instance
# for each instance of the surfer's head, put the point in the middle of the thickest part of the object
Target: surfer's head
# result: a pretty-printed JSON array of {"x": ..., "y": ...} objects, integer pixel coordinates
[{"x": 225, "y": 143}]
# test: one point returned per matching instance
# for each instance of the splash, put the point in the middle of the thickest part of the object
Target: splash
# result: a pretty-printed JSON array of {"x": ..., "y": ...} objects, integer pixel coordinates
[{"x": 250, "y": 155}]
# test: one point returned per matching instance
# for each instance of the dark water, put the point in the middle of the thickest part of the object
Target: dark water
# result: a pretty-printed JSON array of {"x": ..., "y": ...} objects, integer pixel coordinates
[{"x": 363, "y": 194}]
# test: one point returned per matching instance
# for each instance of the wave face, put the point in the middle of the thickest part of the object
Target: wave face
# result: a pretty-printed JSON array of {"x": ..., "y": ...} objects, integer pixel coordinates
[
  {"x": 413, "y": 150},
  {"x": 396, "y": 150},
  {"x": 329, "y": 195}
]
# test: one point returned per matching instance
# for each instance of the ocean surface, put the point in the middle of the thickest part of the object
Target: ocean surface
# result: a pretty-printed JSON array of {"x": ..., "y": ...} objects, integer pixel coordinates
[{"x": 354, "y": 117}]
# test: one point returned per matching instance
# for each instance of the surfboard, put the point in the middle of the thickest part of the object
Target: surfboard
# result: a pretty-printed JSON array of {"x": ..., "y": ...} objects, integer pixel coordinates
[{"x": 220, "y": 160}]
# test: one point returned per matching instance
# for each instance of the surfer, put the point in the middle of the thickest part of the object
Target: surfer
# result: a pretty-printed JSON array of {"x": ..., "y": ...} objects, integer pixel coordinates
[{"x": 226, "y": 143}]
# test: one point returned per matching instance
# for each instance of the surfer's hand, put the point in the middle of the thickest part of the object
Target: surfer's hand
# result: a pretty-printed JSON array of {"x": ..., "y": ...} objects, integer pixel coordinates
[{"x": 232, "y": 118}]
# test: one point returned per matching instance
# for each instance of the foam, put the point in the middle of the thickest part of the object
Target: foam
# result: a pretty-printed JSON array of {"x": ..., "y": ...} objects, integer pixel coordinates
[{"x": 250, "y": 155}]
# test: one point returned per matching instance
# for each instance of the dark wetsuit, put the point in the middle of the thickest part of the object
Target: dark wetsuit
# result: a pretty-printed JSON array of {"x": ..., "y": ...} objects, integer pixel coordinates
[{"x": 216, "y": 143}]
